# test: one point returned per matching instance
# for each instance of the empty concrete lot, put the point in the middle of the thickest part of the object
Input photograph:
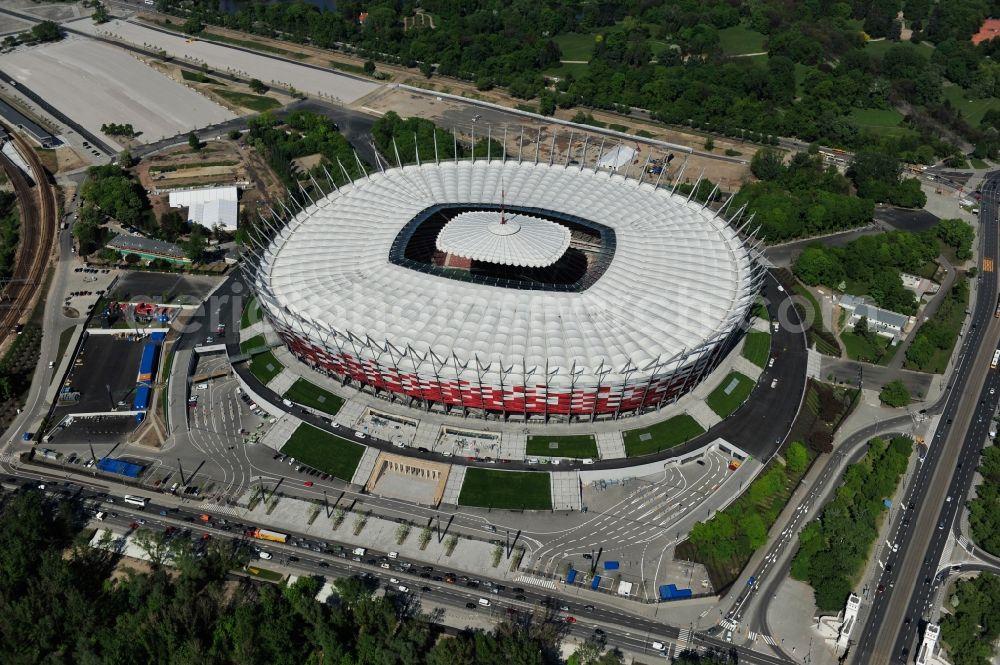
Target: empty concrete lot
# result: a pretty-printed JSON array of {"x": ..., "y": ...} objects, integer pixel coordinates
[
  {"x": 267, "y": 69},
  {"x": 94, "y": 84}
]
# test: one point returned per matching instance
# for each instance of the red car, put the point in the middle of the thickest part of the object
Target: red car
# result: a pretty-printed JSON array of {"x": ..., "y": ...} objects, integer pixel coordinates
[
  {"x": 205, "y": 536},
  {"x": 570, "y": 619},
  {"x": 308, "y": 483},
  {"x": 133, "y": 525}
]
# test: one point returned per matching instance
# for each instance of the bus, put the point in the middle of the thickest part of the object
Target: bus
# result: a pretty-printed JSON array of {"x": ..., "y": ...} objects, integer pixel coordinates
[
  {"x": 274, "y": 536},
  {"x": 996, "y": 359},
  {"x": 136, "y": 500}
]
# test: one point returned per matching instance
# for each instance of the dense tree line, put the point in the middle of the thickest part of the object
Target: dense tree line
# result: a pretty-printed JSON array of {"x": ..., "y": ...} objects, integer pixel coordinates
[
  {"x": 732, "y": 535},
  {"x": 834, "y": 547},
  {"x": 118, "y": 129},
  {"x": 970, "y": 630},
  {"x": 870, "y": 265},
  {"x": 800, "y": 199},
  {"x": 110, "y": 192},
  {"x": 879, "y": 177},
  {"x": 59, "y": 604},
  {"x": 10, "y": 232},
  {"x": 957, "y": 234},
  {"x": 984, "y": 510},
  {"x": 667, "y": 57},
  {"x": 18, "y": 363}
]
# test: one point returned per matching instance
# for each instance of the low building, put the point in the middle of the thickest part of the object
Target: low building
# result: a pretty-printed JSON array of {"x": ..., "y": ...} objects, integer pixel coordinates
[
  {"x": 148, "y": 249},
  {"x": 881, "y": 321},
  {"x": 987, "y": 31},
  {"x": 209, "y": 206}
]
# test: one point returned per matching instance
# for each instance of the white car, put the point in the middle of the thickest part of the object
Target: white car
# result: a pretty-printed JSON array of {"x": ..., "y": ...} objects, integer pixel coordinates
[
  {"x": 658, "y": 646},
  {"x": 403, "y": 588},
  {"x": 393, "y": 580},
  {"x": 770, "y": 363},
  {"x": 264, "y": 555},
  {"x": 992, "y": 390},
  {"x": 774, "y": 384}
]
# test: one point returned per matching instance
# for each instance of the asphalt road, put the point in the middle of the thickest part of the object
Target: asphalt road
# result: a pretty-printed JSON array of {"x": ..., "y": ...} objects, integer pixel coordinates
[
  {"x": 313, "y": 557},
  {"x": 944, "y": 478}
]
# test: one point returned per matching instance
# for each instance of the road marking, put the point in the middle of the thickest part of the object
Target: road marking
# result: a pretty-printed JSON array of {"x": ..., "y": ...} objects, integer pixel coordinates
[{"x": 987, "y": 265}]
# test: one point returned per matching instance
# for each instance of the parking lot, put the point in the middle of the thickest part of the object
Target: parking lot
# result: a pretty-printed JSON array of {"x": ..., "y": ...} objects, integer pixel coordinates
[
  {"x": 94, "y": 84},
  {"x": 163, "y": 288},
  {"x": 104, "y": 374}
]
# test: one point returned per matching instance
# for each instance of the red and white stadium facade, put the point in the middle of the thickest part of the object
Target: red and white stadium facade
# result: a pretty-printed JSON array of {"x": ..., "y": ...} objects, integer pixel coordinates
[{"x": 672, "y": 299}]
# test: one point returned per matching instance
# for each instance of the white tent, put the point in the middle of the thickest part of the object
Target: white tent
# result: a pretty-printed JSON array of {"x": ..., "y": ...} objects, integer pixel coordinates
[{"x": 617, "y": 157}]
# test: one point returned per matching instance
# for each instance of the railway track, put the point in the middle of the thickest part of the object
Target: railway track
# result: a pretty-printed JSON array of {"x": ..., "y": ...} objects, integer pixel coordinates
[{"x": 38, "y": 210}]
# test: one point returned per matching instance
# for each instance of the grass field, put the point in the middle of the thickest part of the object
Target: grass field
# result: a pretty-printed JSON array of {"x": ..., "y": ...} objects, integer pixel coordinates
[
  {"x": 724, "y": 404},
  {"x": 251, "y": 314},
  {"x": 824, "y": 341},
  {"x": 978, "y": 163},
  {"x": 513, "y": 490},
  {"x": 575, "y": 68},
  {"x": 198, "y": 77},
  {"x": 324, "y": 451},
  {"x": 265, "y": 367},
  {"x": 879, "y": 48},
  {"x": 859, "y": 348},
  {"x": 757, "y": 347},
  {"x": 949, "y": 317},
  {"x": 884, "y": 122},
  {"x": 579, "y": 445},
  {"x": 740, "y": 39},
  {"x": 258, "y": 103},
  {"x": 575, "y": 45},
  {"x": 252, "y": 343},
  {"x": 663, "y": 435},
  {"x": 972, "y": 109},
  {"x": 307, "y": 394}
]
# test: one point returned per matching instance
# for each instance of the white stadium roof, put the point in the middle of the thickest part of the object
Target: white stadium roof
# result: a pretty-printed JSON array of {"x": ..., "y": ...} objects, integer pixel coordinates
[
  {"x": 680, "y": 277},
  {"x": 514, "y": 240}
]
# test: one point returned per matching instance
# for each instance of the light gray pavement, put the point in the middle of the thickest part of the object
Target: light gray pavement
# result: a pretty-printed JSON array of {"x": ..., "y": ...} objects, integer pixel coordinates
[
  {"x": 566, "y": 490},
  {"x": 365, "y": 466},
  {"x": 610, "y": 445},
  {"x": 453, "y": 487},
  {"x": 282, "y": 382}
]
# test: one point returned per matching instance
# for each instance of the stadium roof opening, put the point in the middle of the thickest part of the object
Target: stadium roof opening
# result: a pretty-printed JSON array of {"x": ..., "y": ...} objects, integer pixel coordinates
[{"x": 499, "y": 237}]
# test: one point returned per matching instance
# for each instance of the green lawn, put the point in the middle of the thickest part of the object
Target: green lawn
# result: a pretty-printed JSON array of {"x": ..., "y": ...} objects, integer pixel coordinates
[
  {"x": 307, "y": 394},
  {"x": 972, "y": 110},
  {"x": 324, "y": 451},
  {"x": 575, "y": 45},
  {"x": 258, "y": 103},
  {"x": 757, "y": 347},
  {"x": 513, "y": 490},
  {"x": 579, "y": 445},
  {"x": 724, "y": 403},
  {"x": 740, "y": 39},
  {"x": 252, "y": 343},
  {"x": 564, "y": 68},
  {"x": 879, "y": 48},
  {"x": 661, "y": 436},
  {"x": 824, "y": 341},
  {"x": 265, "y": 367},
  {"x": 251, "y": 314},
  {"x": 859, "y": 348},
  {"x": 884, "y": 122},
  {"x": 198, "y": 77},
  {"x": 978, "y": 163}
]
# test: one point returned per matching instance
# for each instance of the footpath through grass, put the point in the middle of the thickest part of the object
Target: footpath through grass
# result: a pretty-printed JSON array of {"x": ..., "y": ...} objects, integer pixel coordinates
[
  {"x": 512, "y": 490},
  {"x": 308, "y": 394},
  {"x": 730, "y": 394},
  {"x": 661, "y": 436},
  {"x": 324, "y": 451},
  {"x": 757, "y": 347},
  {"x": 576, "y": 445}
]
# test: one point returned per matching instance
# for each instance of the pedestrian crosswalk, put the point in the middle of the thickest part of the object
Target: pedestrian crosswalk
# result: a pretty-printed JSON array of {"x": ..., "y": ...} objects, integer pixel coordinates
[
  {"x": 536, "y": 581},
  {"x": 753, "y": 636},
  {"x": 684, "y": 636},
  {"x": 728, "y": 624},
  {"x": 232, "y": 511}
]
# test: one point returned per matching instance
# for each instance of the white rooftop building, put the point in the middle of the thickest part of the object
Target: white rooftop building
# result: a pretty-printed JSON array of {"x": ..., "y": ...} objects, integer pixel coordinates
[{"x": 209, "y": 206}]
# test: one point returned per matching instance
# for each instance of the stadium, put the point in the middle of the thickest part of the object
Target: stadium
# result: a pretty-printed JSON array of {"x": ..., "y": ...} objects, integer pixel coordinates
[{"x": 509, "y": 289}]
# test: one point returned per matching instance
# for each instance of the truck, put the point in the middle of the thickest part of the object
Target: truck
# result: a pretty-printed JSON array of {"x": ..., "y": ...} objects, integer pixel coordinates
[
  {"x": 273, "y": 536},
  {"x": 287, "y": 402},
  {"x": 358, "y": 551}
]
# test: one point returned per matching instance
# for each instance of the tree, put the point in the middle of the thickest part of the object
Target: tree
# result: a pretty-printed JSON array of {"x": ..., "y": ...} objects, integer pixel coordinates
[
  {"x": 709, "y": 144},
  {"x": 894, "y": 394},
  {"x": 258, "y": 86},
  {"x": 195, "y": 245},
  {"x": 101, "y": 14},
  {"x": 767, "y": 164},
  {"x": 193, "y": 26},
  {"x": 369, "y": 67},
  {"x": 194, "y": 142},
  {"x": 861, "y": 327},
  {"x": 234, "y": 134},
  {"x": 46, "y": 31},
  {"x": 797, "y": 457}
]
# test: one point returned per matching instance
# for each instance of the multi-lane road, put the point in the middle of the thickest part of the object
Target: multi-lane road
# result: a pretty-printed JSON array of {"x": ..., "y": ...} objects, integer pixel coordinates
[{"x": 896, "y": 619}]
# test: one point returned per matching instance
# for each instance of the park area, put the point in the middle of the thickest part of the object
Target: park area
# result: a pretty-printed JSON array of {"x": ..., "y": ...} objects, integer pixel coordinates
[
  {"x": 661, "y": 436},
  {"x": 578, "y": 445},
  {"x": 265, "y": 367},
  {"x": 730, "y": 394},
  {"x": 94, "y": 84},
  {"x": 307, "y": 394},
  {"x": 324, "y": 451},
  {"x": 512, "y": 490}
]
